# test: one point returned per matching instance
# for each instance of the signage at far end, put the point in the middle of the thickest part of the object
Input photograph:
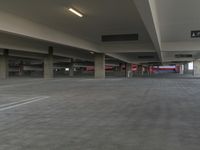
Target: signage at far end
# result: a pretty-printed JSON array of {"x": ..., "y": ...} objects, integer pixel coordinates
[{"x": 195, "y": 34}]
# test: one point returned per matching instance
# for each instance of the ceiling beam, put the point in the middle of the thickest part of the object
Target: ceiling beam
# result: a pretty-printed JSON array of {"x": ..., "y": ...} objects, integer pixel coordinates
[
  {"x": 181, "y": 46},
  {"x": 148, "y": 12},
  {"x": 27, "y": 45},
  {"x": 11, "y": 23}
]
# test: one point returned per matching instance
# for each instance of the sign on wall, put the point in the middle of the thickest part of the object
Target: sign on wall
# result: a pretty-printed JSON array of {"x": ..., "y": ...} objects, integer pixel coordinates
[{"x": 195, "y": 34}]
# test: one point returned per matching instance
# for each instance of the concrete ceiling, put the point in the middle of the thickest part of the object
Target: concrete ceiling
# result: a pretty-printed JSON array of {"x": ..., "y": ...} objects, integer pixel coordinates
[
  {"x": 24, "y": 46},
  {"x": 163, "y": 26},
  {"x": 177, "y": 18},
  {"x": 176, "y": 24},
  {"x": 100, "y": 17}
]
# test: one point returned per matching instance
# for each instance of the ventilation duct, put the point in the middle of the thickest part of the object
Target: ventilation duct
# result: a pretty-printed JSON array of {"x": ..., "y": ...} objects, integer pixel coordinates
[
  {"x": 146, "y": 57},
  {"x": 119, "y": 37},
  {"x": 183, "y": 55}
]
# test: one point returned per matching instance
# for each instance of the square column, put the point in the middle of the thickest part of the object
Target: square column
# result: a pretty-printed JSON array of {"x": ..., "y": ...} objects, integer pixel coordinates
[
  {"x": 181, "y": 69},
  {"x": 140, "y": 70},
  {"x": 121, "y": 69},
  {"x": 196, "y": 68},
  {"x": 48, "y": 64},
  {"x": 99, "y": 65},
  {"x": 129, "y": 70},
  {"x": 186, "y": 68},
  {"x": 4, "y": 65},
  {"x": 71, "y": 68},
  {"x": 21, "y": 68},
  {"x": 150, "y": 70}
]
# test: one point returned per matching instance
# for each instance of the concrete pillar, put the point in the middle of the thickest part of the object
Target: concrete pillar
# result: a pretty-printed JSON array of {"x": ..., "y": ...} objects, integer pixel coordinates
[
  {"x": 158, "y": 69},
  {"x": 129, "y": 70},
  {"x": 186, "y": 68},
  {"x": 71, "y": 68},
  {"x": 48, "y": 64},
  {"x": 149, "y": 70},
  {"x": 143, "y": 69},
  {"x": 196, "y": 68},
  {"x": 121, "y": 67},
  {"x": 99, "y": 65},
  {"x": 181, "y": 69},
  {"x": 140, "y": 70},
  {"x": 21, "y": 68},
  {"x": 4, "y": 65}
]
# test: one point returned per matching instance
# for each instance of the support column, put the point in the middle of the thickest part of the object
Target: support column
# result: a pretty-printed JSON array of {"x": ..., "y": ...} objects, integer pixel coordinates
[
  {"x": 158, "y": 69},
  {"x": 99, "y": 65},
  {"x": 149, "y": 70},
  {"x": 71, "y": 68},
  {"x": 48, "y": 64},
  {"x": 21, "y": 68},
  {"x": 140, "y": 70},
  {"x": 129, "y": 70},
  {"x": 4, "y": 65},
  {"x": 121, "y": 67},
  {"x": 181, "y": 69},
  {"x": 196, "y": 68},
  {"x": 186, "y": 68}
]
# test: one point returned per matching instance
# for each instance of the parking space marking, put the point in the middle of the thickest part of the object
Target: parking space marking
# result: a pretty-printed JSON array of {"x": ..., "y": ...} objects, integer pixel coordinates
[
  {"x": 14, "y": 103},
  {"x": 21, "y": 103},
  {"x": 18, "y": 85},
  {"x": 30, "y": 83}
]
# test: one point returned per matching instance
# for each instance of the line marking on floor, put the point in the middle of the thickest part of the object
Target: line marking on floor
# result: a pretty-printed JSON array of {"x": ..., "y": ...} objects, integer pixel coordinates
[
  {"x": 30, "y": 83},
  {"x": 18, "y": 85},
  {"x": 21, "y": 103},
  {"x": 14, "y": 103}
]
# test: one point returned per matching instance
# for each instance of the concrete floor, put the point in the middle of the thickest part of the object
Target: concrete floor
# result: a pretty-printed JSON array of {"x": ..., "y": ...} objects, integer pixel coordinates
[{"x": 111, "y": 114}]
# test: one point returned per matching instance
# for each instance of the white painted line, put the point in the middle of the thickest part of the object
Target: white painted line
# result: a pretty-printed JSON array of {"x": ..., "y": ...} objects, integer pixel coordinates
[
  {"x": 18, "y": 85},
  {"x": 30, "y": 83},
  {"x": 14, "y": 103},
  {"x": 24, "y": 103}
]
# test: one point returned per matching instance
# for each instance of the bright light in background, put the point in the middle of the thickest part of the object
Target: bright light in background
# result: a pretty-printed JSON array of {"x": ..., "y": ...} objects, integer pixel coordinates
[
  {"x": 190, "y": 66},
  {"x": 75, "y": 12},
  {"x": 66, "y": 69}
]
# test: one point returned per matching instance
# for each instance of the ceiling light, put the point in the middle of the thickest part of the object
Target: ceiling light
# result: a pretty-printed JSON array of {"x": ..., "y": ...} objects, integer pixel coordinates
[{"x": 75, "y": 12}]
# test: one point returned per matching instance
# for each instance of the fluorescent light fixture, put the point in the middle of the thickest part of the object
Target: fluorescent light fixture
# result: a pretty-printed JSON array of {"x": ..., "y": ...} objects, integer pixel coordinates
[
  {"x": 66, "y": 69},
  {"x": 75, "y": 12}
]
